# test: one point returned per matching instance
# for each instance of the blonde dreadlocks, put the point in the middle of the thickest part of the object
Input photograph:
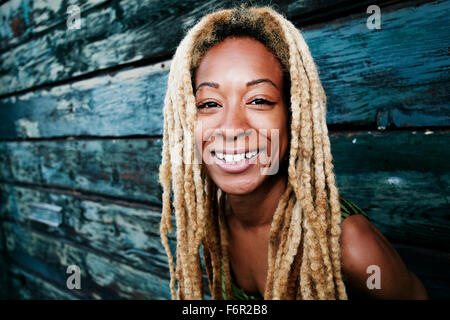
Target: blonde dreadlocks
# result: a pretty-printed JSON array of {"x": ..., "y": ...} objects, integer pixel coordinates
[{"x": 304, "y": 250}]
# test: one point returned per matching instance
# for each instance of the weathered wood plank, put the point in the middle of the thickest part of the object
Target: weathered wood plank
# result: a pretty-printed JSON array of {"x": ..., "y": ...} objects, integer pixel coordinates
[
  {"x": 25, "y": 286},
  {"x": 129, "y": 235},
  {"x": 400, "y": 178},
  {"x": 430, "y": 266},
  {"x": 101, "y": 276},
  {"x": 130, "y": 102},
  {"x": 21, "y": 20},
  {"x": 121, "y": 168},
  {"x": 125, "y": 103},
  {"x": 389, "y": 74},
  {"x": 113, "y": 35},
  {"x": 413, "y": 80}
]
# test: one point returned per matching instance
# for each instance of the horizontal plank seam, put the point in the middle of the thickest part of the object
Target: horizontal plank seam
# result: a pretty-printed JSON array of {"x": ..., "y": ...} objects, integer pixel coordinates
[
  {"x": 73, "y": 293},
  {"x": 332, "y": 129},
  {"x": 87, "y": 195},
  {"x": 81, "y": 246},
  {"x": 336, "y": 12},
  {"x": 164, "y": 55},
  {"x": 144, "y": 62},
  {"x": 55, "y": 25},
  {"x": 86, "y": 138}
]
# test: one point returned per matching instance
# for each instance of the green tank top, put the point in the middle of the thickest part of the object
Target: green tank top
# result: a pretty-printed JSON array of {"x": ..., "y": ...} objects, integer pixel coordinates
[{"x": 348, "y": 208}]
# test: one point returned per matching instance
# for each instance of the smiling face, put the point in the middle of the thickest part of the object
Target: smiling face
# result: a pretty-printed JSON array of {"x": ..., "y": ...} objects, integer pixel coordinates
[{"x": 242, "y": 118}]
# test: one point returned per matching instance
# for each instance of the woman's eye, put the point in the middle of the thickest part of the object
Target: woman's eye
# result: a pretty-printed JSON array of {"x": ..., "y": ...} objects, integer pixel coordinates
[
  {"x": 207, "y": 105},
  {"x": 262, "y": 101}
]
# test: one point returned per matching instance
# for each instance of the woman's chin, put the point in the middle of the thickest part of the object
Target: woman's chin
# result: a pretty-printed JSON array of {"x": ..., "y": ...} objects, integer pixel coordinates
[{"x": 238, "y": 187}]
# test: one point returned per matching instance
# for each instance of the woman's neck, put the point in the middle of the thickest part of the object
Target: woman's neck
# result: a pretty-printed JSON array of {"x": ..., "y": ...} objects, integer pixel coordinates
[{"x": 256, "y": 209}]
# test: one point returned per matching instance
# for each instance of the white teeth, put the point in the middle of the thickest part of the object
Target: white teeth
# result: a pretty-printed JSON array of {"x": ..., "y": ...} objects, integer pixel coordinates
[
  {"x": 229, "y": 157},
  {"x": 234, "y": 158},
  {"x": 219, "y": 155},
  {"x": 249, "y": 155}
]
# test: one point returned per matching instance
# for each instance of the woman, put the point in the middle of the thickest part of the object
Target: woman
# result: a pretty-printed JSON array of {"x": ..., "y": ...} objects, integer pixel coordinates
[{"x": 247, "y": 156}]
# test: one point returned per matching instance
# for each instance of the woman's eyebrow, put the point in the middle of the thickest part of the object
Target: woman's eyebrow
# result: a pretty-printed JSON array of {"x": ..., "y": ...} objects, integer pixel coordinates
[
  {"x": 207, "y": 84},
  {"x": 257, "y": 81},
  {"x": 250, "y": 83}
]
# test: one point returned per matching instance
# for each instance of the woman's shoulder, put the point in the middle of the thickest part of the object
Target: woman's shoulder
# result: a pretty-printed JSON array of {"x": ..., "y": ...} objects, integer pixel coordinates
[
  {"x": 365, "y": 251},
  {"x": 357, "y": 230}
]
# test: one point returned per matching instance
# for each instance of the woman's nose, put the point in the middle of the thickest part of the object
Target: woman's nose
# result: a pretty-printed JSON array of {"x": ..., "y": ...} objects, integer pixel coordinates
[{"x": 234, "y": 123}]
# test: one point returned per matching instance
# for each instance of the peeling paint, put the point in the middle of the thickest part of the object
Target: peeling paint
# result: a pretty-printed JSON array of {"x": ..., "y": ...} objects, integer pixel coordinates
[
  {"x": 28, "y": 128},
  {"x": 394, "y": 180}
]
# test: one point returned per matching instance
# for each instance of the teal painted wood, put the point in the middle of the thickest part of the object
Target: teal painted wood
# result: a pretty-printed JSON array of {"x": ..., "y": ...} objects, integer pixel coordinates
[
  {"x": 124, "y": 168},
  {"x": 112, "y": 35},
  {"x": 418, "y": 259},
  {"x": 59, "y": 62},
  {"x": 25, "y": 285},
  {"x": 20, "y": 20},
  {"x": 389, "y": 74},
  {"x": 129, "y": 102},
  {"x": 42, "y": 26},
  {"x": 400, "y": 178},
  {"x": 101, "y": 276},
  {"x": 430, "y": 265},
  {"x": 126, "y": 233}
]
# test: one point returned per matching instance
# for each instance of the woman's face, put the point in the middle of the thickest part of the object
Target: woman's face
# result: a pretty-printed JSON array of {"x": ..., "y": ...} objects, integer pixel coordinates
[{"x": 241, "y": 114}]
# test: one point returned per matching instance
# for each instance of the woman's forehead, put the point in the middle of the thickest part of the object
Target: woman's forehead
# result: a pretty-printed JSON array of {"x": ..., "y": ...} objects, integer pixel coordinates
[{"x": 239, "y": 56}]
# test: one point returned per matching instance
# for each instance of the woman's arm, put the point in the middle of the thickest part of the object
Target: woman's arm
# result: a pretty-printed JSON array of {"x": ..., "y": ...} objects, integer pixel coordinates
[{"x": 372, "y": 266}]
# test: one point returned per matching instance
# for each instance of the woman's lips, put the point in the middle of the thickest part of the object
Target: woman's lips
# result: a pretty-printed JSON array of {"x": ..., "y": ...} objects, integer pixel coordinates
[{"x": 238, "y": 167}]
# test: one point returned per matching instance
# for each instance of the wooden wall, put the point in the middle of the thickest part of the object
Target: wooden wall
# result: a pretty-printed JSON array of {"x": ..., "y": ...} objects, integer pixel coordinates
[{"x": 81, "y": 125}]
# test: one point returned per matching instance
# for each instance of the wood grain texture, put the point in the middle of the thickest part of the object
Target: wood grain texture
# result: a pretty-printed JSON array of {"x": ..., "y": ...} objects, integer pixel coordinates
[
  {"x": 41, "y": 256},
  {"x": 368, "y": 81},
  {"x": 123, "y": 168},
  {"x": 392, "y": 74},
  {"x": 360, "y": 67},
  {"x": 127, "y": 234},
  {"x": 26, "y": 285},
  {"x": 21, "y": 21},
  {"x": 400, "y": 178},
  {"x": 430, "y": 265},
  {"x": 101, "y": 276},
  {"x": 112, "y": 35},
  {"x": 129, "y": 102}
]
